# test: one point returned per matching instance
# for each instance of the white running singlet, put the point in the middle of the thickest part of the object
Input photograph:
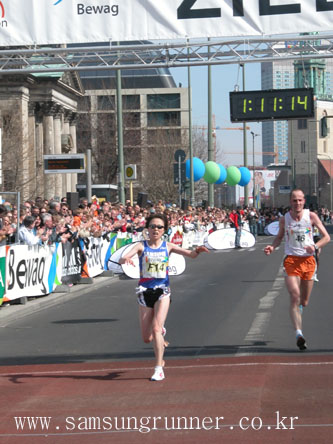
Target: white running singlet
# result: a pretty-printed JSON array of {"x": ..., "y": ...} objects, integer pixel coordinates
[{"x": 298, "y": 234}]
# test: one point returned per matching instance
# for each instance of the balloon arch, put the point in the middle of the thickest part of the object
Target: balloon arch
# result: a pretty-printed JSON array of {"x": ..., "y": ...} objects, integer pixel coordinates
[{"x": 213, "y": 172}]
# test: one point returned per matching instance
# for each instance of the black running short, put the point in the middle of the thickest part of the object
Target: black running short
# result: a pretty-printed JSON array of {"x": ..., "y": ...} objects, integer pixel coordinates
[{"x": 149, "y": 297}]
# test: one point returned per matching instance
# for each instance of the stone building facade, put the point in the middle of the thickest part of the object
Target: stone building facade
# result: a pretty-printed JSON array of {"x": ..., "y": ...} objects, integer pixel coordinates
[
  {"x": 311, "y": 156},
  {"x": 38, "y": 117},
  {"x": 155, "y": 126}
]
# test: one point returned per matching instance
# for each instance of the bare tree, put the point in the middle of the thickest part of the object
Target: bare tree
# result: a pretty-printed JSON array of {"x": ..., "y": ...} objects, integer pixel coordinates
[
  {"x": 200, "y": 150},
  {"x": 158, "y": 163},
  {"x": 16, "y": 159},
  {"x": 97, "y": 131},
  {"x": 104, "y": 154}
]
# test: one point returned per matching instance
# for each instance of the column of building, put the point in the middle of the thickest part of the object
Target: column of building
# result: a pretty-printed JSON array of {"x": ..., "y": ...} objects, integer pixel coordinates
[
  {"x": 66, "y": 150},
  {"x": 39, "y": 149},
  {"x": 48, "y": 138},
  {"x": 72, "y": 132},
  {"x": 57, "y": 123},
  {"x": 32, "y": 158},
  {"x": 25, "y": 164}
]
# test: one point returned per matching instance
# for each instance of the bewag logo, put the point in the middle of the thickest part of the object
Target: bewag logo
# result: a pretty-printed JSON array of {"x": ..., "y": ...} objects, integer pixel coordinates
[
  {"x": 2, "y": 9},
  {"x": 3, "y": 20}
]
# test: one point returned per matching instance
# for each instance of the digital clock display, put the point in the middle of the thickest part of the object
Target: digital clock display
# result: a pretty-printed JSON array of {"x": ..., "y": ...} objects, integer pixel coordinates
[{"x": 272, "y": 104}]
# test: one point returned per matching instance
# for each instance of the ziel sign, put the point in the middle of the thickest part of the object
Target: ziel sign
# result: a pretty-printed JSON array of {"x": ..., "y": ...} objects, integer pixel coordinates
[{"x": 186, "y": 11}]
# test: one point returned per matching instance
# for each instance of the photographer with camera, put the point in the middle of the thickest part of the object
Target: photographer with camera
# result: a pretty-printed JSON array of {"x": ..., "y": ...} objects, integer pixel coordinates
[{"x": 235, "y": 219}]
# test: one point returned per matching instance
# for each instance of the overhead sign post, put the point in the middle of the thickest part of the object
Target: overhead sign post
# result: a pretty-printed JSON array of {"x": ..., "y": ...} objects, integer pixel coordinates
[{"x": 64, "y": 163}]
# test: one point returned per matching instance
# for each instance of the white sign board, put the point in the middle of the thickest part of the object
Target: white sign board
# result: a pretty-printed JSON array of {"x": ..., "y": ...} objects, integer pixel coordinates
[
  {"x": 36, "y": 22},
  {"x": 225, "y": 239},
  {"x": 284, "y": 189},
  {"x": 263, "y": 183},
  {"x": 32, "y": 271},
  {"x": 93, "y": 253}
]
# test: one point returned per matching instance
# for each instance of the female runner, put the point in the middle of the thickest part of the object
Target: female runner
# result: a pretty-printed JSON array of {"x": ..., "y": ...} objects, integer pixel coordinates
[{"x": 153, "y": 288}]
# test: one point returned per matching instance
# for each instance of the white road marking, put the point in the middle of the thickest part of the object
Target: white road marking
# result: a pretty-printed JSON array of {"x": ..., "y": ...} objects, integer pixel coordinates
[
  {"x": 169, "y": 368},
  {"x": 154, "y": 429},
  {"x": 261, "y": 321}
]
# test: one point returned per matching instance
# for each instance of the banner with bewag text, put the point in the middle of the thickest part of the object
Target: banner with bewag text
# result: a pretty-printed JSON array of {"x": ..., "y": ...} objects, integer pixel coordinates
[
  {"x": 32, "y": 271},
  {"x": 40, "y": 22}
]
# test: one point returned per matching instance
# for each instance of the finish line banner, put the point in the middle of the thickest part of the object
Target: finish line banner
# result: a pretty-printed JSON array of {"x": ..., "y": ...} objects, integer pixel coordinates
[{"x": 40, "y": 22}]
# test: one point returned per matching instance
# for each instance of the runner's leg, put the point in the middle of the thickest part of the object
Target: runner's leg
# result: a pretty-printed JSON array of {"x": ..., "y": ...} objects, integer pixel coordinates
[
  {"x": 146, "y": 315},
  {"x": 160, "y": 313},
  {"x": 306, "y": 288},
  {"x": 293, "y": 286}
]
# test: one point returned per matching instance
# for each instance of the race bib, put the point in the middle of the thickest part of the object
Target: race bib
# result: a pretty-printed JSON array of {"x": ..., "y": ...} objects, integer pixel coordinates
[
  {"x": 155, "y": 266},
  {"x": 300, "y": 237}
]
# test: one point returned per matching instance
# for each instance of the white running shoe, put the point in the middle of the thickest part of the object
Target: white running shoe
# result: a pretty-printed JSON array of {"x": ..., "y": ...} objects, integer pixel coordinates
[
  {"x": 163, "y": 331},
  {"x": 158, "y": 374}
]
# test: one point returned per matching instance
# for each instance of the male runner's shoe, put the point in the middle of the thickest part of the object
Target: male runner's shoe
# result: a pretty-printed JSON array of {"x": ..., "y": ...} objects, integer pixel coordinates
[
  {"x": 301, "y": 344},
  {"x": 300, "y": 308},
  {"x": 163, "y": 331},
  {"x": 158, "y": 374}
]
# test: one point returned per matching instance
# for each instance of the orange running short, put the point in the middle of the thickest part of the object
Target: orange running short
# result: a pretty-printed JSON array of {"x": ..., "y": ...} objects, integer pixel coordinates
[{"x": 302, "y": 266}]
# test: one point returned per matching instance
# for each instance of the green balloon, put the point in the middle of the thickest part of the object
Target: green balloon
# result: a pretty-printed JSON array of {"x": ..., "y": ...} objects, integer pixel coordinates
[
  {"x": 233, "y": 175},
  {"x": 212, "y": 172}
]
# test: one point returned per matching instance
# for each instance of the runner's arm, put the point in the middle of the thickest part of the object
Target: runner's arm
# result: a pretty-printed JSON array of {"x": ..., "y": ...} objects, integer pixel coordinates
[
  {"x": 325, "y": 237},
  {"x": 173, "y": 248},
  {"x": 278, "y": 238},
  {"x": 127, "y": 258}
]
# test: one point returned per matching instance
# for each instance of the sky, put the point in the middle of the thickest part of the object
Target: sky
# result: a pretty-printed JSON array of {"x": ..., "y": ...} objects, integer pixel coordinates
[{"x": 224, "y": 80}]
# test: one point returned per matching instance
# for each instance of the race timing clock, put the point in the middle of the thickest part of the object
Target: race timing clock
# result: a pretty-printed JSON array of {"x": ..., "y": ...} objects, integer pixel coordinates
[{"x": 272, "y": 104}]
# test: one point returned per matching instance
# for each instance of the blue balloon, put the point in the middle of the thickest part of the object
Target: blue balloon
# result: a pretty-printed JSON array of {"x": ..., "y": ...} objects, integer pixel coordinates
[
  {"x": 223, "y": 174},
  {"x": 245, "y": 176},
  {"x": 198, "y": 169}
]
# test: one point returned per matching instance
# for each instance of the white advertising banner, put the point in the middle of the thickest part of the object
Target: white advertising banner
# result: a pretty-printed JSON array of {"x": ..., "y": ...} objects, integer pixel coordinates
[
  {"x": 32, "y": 271},
  {"x": 263, "y": 183},
  {"x": 92, "y": 248},
  {"x": 40, "y": 22}
]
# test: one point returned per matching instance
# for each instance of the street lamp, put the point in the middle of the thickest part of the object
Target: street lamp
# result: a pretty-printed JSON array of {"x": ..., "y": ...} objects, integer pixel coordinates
[
  {"x": 310, "y": 160},
  {"x": 327, "y": 155},
  {"x": 253, "y": 191}
]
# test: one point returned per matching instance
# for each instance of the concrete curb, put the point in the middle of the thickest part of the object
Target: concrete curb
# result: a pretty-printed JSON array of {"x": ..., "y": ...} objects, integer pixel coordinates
[{"x": 17, "y": 311}]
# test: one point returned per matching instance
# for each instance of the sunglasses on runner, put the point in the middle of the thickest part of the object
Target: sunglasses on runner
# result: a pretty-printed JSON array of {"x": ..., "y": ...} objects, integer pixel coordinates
[{"x": 153, "y": 226}]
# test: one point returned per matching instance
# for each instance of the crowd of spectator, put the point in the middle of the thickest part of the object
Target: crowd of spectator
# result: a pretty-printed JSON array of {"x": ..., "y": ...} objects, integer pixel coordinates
[{"x": 44, "y": 222}]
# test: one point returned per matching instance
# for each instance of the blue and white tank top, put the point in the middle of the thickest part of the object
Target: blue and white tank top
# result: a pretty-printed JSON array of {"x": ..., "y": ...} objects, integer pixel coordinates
[
  {"x": 154, "y": 266},
  {"x": 298, "y": 234}
]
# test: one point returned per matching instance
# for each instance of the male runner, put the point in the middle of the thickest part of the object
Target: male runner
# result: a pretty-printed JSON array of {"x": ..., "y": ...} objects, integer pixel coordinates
[{"x": 296, "y": 227}]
